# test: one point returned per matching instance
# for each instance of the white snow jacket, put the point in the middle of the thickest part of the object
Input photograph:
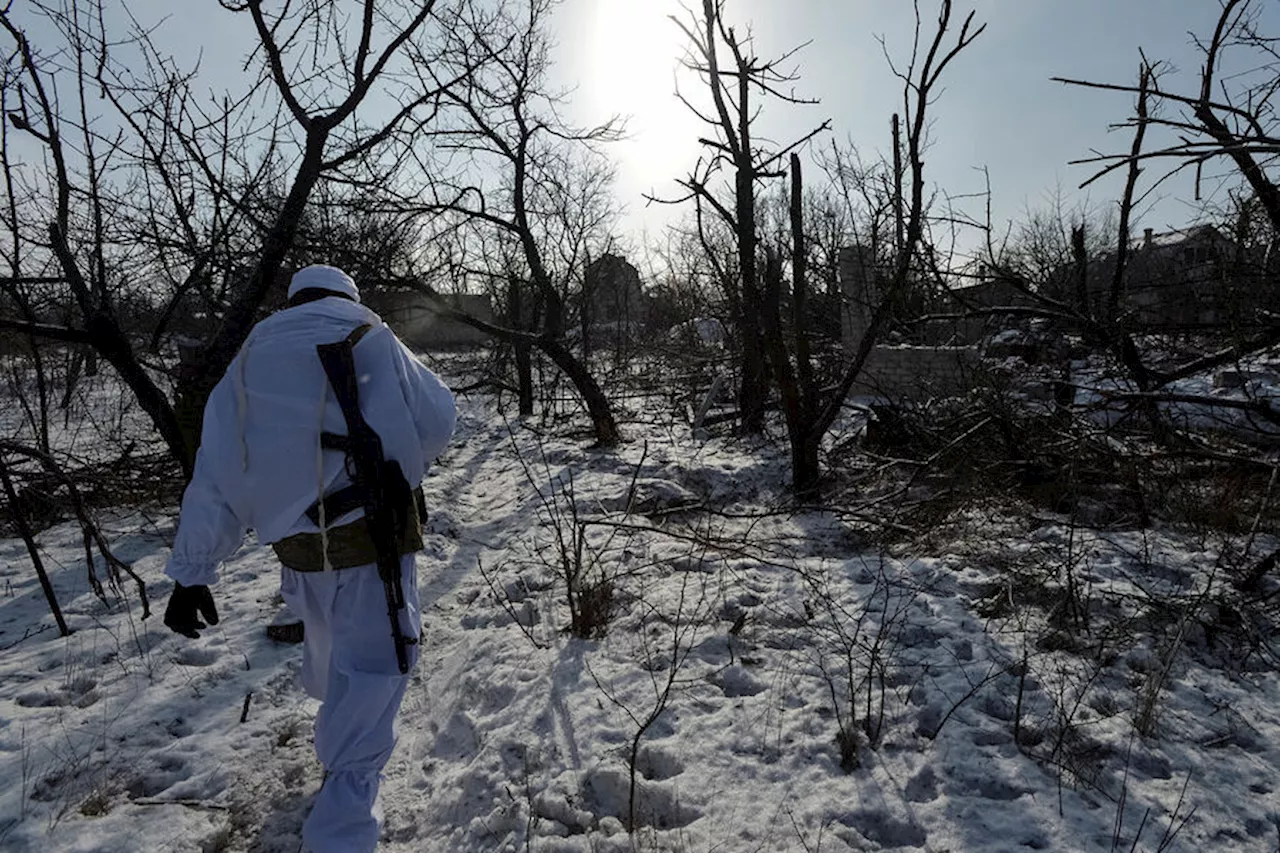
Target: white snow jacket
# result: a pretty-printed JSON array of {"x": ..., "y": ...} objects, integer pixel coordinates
[{"x": 260, "y": 465}]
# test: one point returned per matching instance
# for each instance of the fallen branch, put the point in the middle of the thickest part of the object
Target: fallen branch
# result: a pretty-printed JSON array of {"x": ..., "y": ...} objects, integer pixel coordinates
[
  {"x": 92, "y": 535},
  {"x": 1262, "y": 408}
]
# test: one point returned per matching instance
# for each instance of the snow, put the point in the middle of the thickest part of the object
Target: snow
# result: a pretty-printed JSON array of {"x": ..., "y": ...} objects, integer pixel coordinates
[
  {"x": 706, "y": 331},
  {"x": 1254, "y": 380},
  {"x": 742, "y": 643}
]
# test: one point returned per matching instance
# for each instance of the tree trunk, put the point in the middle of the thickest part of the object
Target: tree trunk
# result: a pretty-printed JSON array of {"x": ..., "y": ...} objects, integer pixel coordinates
[
  {"x": 218, "y": 355},
  {"x": 601, "y": 413},
  {"x": 37, "y": 362},
  {"x": 806, "y": 438},
  {"x": 793, "y": 408},
  {"x": 111, "y": 344},
  {"x": 521, "y": 350},
  {"x": 751, "y": 393},
  {"x": 751, "y": 396},
  {"x": 800, "y": 296},
  {"x": 524, "y": 377},
  {"x": 42, "y": 393},
  {"x": 585, "y": 309},
  {"x": 1080, "y": 256},
  {"x": 805, "y": 471},
  {"x": 75, "y": 362}
]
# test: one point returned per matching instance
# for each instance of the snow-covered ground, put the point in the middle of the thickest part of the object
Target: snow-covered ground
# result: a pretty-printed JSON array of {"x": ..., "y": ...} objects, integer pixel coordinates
[
  {"x": 1231, "y": 390},
  {"x": 769, "y": 681}
]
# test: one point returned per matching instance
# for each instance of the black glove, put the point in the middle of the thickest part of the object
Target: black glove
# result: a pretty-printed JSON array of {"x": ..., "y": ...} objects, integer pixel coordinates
[{"x": 186, "y": 605}]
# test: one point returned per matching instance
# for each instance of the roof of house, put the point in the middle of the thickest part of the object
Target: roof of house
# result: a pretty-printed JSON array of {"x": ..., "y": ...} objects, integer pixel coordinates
[{"x": 1177, "y": 237}]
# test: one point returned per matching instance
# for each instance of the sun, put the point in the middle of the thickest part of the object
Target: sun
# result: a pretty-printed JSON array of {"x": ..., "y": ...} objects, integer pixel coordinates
[
  {"x": 629, "y": 59},
  {"x": 634, "y": 47}
]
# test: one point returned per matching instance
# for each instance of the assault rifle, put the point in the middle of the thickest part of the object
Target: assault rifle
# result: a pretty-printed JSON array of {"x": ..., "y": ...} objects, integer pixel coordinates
[{"x": 380, "y": 485}]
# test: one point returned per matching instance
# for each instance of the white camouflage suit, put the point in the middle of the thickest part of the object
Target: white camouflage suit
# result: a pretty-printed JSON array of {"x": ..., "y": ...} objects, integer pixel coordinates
[{"x": 260, "y": 466}]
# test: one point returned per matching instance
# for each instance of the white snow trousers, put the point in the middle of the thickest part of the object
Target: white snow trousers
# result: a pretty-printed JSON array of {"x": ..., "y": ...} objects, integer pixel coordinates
[{"x": 349, "y": 664}]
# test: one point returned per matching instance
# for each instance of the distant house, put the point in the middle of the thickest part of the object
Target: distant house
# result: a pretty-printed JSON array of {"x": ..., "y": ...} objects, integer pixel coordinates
[
  {"x": 613, "y": 292},
  {"x": 1186, "y": 278},
  {"x": 425, "y": 324}
]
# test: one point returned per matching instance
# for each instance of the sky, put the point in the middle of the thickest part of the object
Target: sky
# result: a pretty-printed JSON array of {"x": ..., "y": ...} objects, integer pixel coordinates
[{"x": 998, "y": 110}]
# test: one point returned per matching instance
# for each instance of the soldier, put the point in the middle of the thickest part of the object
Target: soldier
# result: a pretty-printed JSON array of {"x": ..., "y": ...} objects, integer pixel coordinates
[{"x": 279, "y": 454}]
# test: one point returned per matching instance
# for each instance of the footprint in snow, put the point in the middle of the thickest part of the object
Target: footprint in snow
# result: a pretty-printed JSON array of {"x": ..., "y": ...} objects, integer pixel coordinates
[
  {"x": 922, "y": 787},
  {"x": 929, "y": 720},
  {"x": 884, "y": 829},
  {"x": 40, "y": 699},
  {"x": 657, "y": 764},
  {"x": 1148, "y": 765},
  {"x": 157, "y": 775},
  {"x": 991, "y": 737},
  {"x": 736, "y": 682},
  {"x": 80, "y": 692},
  {"x": 178, "y": 727},
  {"x": 606, "y": 792},
  {"x": 999, "y": 789},
  {"x": 188, "y": 656}
]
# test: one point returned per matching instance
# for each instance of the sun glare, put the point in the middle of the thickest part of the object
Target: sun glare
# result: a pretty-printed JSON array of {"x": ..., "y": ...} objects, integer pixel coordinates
[
  {"x": 634, "y": 47},
  {"x": 632, "y": 51}
]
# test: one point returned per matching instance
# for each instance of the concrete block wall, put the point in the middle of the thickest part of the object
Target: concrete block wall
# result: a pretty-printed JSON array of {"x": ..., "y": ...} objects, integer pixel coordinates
[
  {"x": 419, "y": 323},
  {"x": 910, "y": 372},
  {"x": 916, "y": 372}
]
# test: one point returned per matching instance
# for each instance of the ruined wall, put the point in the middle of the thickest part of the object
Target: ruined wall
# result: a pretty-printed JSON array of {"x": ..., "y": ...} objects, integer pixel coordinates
[
  {"x": 911, "y": 372},
  {"x": 917, "y": 372},
  {"x": 418, "y": 322}
]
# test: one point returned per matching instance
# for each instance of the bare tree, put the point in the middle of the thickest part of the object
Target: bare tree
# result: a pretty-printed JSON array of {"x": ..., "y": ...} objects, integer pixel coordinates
[
  {"x": 158, "y": 151},
  {"x": 832, "y": 223},
  {"x": 324, "y": 109},
  {"x": 810, "y": 410},
  {"x": 737, "y": 80},
  {"x": 72, "y": 248},
  {"x": 549, "y": 204},
  {"x": 1232, "y": 117}
]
